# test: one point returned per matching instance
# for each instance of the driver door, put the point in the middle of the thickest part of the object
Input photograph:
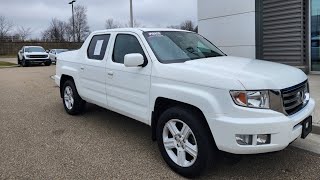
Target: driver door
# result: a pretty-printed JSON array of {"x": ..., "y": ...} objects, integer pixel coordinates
[{"x": 128, "y": 87}]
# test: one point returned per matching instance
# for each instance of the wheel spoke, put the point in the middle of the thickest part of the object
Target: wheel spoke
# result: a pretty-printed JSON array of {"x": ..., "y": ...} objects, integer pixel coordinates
[
  {"x": 68, "y": 90},
  {"x": 71, "y": 101},
  {"x": 172, "y": 128},
  {"x": 185, "y": 131},
  {"x": 191, "y": 149},
  {"x": 169, "y": 143},
  {"x": 181, "y": 157},
  {"x": 68, "y": 104}
]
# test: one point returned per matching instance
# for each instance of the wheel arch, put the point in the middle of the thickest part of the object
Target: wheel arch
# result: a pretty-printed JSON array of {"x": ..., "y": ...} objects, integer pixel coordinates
[
  {"x": 162, "y": 104},
  {"x": 63, "y": 79}
]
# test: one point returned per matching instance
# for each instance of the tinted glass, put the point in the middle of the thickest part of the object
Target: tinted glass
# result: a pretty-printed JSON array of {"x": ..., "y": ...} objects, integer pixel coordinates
[
  {"x": 315, "y": 35},
  {"x": 171, "y": 46},
  {"x": 98, "y": 46},
  {"x": 34, "y": 49},
  {"x": 126, "y": 44}
]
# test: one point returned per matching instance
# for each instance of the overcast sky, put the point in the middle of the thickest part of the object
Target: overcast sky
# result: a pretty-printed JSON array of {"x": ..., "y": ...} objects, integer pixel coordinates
[{"x": 37, "y": 14}]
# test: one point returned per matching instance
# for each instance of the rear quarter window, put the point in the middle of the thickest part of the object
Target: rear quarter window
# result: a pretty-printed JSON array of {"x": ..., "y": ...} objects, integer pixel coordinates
[{"x": 98, "y": 46}]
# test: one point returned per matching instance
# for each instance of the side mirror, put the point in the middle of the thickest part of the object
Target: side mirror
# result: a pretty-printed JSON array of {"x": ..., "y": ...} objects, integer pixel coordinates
[
  {"x": 47, "y": 51},
  {"x": 133, "y": 60}
]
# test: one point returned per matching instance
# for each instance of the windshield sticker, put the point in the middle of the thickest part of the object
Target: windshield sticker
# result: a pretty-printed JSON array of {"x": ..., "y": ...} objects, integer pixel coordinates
[
  {"x": 97, "y": 50},
  {"x": 155, "y": 34}
]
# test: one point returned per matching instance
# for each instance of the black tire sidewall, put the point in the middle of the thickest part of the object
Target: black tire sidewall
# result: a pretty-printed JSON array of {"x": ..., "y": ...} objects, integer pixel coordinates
[
  {"x": 206, "y": 150},
  {"x": 19, "y": 62},
  {"x": 78, "y": 104},
  {"x": 47, "y": 63},
  {"x": 24, "y": 63}
]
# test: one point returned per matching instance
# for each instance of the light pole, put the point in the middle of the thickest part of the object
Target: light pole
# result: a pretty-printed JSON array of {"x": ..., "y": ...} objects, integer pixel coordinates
[
  {"x": 131, "y": 14},
  {"x": 74, "y": 35}
]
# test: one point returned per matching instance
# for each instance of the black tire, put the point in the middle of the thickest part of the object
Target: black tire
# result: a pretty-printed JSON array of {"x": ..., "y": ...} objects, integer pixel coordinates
[
  {"x": 48, "y": 63},
  {"x": 78, "y": 103},
  {"x": 24, "y": 63},
  {"x": 206, "y": 147},
  {"x": 18, "y": 60}
]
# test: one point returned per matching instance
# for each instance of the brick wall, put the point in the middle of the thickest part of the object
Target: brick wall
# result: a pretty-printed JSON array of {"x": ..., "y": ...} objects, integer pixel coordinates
[{"x": 12, "y": 48}]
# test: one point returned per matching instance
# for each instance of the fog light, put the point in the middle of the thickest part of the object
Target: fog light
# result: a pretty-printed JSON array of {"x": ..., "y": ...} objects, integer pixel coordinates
[
  {"x": 244, "y": 139},
  {"x": 263, "y": 139}
]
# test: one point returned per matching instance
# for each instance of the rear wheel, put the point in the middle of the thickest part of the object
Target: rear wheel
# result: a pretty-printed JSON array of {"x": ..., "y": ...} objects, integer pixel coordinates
[
  {"x": 184, "y": 141},
  {"x": 72, "y": 102}
]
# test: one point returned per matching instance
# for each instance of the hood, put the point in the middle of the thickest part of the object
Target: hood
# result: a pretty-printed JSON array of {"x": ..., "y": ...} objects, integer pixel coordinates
[{"x": 252, "y": 74}]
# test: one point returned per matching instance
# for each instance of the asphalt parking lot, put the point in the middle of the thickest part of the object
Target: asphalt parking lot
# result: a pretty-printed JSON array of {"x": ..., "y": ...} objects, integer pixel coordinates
[{"x": 38, "y": 140}]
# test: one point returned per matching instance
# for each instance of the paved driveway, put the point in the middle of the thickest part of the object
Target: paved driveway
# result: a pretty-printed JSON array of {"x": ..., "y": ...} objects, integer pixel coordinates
[{"x": 38, "y": 140}]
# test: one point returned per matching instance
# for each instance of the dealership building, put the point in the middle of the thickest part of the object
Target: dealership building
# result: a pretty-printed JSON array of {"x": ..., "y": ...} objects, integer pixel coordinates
[{"x": 284, "y": 31}]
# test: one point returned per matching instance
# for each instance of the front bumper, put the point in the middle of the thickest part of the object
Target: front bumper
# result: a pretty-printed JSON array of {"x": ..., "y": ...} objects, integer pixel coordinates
[
  {"x": 37, "y": 61},
  {"x": 283, "y": 130},
  {"x": 57, "y": 80}
]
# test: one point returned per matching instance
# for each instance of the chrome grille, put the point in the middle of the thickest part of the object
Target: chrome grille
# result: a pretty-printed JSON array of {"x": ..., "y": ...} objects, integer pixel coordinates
[
  {"x": 38, "y": 56},
  {"x": 294, "y": 98}
]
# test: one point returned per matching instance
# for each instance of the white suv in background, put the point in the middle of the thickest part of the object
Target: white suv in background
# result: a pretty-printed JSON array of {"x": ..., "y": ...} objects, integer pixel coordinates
[{"x": 29, "y": 55}]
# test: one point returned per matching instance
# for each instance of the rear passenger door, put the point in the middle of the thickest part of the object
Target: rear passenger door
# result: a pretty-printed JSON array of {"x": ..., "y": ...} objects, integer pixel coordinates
[
  {"x": 93, "y": 72},
  {"x": 128, "y": 87}
]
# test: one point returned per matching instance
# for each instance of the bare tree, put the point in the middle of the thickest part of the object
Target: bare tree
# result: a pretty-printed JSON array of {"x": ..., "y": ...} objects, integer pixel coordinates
[
  {"x": 136, "y": 24},
  {"x": 5, "y": 27},
  {"x": 57, "y": 31},
  {"x": 187, "y": 25},
  {"x": 112, "y": 24},
  {"x": 174, "y": 27},
  {"x": 23, "y": 32},
  {"x": 69, "y": 32},
  {"x": 81, "y": 23}
]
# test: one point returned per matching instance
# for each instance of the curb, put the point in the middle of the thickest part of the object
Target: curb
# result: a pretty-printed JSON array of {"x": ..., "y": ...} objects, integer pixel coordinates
[{"x": 316, "y": 129}]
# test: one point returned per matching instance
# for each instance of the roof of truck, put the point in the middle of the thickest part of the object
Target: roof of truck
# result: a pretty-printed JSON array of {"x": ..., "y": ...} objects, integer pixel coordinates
[{"x": 137, "y": 30}]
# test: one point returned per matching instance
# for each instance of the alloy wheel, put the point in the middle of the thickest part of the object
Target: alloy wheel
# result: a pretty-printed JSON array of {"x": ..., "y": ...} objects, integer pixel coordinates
[
  {"x": 180, "y": 143},
  {"x": 68, "y": 97}
]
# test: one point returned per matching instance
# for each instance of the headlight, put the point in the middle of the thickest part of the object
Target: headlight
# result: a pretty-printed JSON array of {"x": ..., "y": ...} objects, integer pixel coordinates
[
  {"x": 253, "y": 99},
  {"x": 306, "y": 95}
]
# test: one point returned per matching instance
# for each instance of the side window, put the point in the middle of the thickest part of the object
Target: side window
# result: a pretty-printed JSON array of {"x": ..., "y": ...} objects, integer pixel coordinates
[
  {"x": 126, "y": 44},
  {"x": 98, "y": 46}
]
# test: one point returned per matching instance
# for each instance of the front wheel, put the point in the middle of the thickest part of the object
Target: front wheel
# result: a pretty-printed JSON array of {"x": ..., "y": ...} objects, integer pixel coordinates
[
  {"x": 18, "y": 60},
  {"x": 24, "y": 63},
  {"x": 72, "y": 102},
  {"x": 184, "y": 141},
  {"x": 47, "y": 63}
]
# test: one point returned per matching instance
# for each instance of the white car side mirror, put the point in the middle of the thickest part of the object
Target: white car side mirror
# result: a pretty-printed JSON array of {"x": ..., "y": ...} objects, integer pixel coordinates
[{"x": 133, "y": 60}]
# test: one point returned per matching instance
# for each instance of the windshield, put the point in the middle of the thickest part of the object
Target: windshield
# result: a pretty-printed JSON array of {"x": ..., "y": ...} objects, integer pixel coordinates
[
  {"x": 34, "y": 49},
  {"x": 177, "y": 46},
  {"x": 61, "y": 50}
]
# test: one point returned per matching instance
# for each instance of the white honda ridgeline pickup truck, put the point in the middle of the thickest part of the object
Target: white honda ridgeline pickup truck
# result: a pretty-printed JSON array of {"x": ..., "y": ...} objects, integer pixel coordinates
[{"x": 196, "y": 99}]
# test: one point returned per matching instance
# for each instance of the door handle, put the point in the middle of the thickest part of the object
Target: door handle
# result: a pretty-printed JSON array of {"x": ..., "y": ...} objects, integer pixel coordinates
[
  {"x": 110, "y": 73},
  {"x": 82, "y": 68}
]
